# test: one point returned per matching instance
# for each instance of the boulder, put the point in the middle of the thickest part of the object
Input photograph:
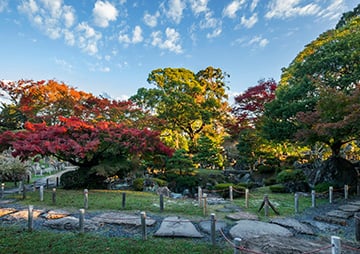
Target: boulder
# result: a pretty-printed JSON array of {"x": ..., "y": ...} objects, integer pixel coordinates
[
  {"x": 177, "y": 227},
  {"x": 337, "y": 171},
  {"x": 70, "y": 223},
  {"x": 247, "y": 229}
]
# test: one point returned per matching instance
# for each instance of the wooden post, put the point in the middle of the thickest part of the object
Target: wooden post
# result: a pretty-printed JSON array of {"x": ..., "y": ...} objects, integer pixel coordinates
[
  {"x": 30, "y": 218},
  {"x": 161, "y": 202},
  {"x": 47, "y": 183},
  {"x": 2, "y": 189},
  {"x": 20, "y": 187},
  {"x": 123, "y": 201},
  {"x": 296, "y": 202},
  {"x": 237, "y": 244},
  {"x": 23, "y": 190},
  {"x": 213, "y": 229},
  {"x": 357, "y": 226},
  {"x": 204, "y": 203},
  {"x": 57, "y": 181},
  {"x": 82, "y": 221},
  {"x": 336, "y": 245},
  {"x": 246, "y": 198},
  {"x": 54, "y": 196},
  {"x": 86, "y": 198},
  {"x": 266, "y": 205},
  {"x": 231, "y": 193},
  {"x": 331, "y": 189},
  {"x": 143, "y": 225},
  {"x": 346, "y": 191},
  {"x": 41, "y": 190},
  {"x": 313, "y": 198},
  {"x": 200, "y": 196}
]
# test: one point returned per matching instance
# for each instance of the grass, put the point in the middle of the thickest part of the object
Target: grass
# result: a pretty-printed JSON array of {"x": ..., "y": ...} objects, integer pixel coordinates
[
  {"x": 72, "y": 200},
  {"x": 16, "y": 240}
]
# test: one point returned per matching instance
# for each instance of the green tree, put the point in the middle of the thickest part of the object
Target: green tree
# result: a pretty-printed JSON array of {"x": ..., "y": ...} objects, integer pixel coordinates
[
  {"x": 191, "y": 104},
  {"x": 331, "y": 61},
  {"x": 209, "y": 154},
  {"x": 180, "y": 161}
]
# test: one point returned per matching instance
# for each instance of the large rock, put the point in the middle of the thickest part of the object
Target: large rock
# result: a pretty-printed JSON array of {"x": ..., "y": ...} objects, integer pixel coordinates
[
  {"x": 247, "y": 229},
  {"x": 335, "y": 170},
  {"x": 70, "y": 223},
  {"x": 293, "y": 224},
  {"x": 122, "y": 218},
  {"x": 177, "y": 227}
]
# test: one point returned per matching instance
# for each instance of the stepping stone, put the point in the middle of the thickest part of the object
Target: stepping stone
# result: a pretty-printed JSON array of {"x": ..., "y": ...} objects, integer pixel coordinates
[
  {"x": 122, "y": 218},
  {"x": 23, "y": 215},
  {"x": 242, "y": 216},
  {"x": 294, "y": 224},
  {"x": 322, "y": 226},
  {"x": 177, "y": 227},
  {"x": 349, "y": 208},
  {"x": 206, "y": 226},
  {"x": 332, "y": 220},
  {"x": 70, "y": 223},
  {"x": 55, "y": 214},
  {"x": 340, "y": 214},
  {"x": 357, "y": 202},
  {"x": 247, "y": 229},
  {"x": 6, "y": 211}
]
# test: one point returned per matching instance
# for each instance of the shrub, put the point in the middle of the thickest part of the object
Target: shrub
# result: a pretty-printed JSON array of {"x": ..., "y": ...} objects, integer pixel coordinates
[
  {"x": 269, "y": 181},
  {"x": 138, "y": 184},
  {"x": 322, "y": 187},
  {"x": 265, "y": 169},
  {"x": 290, "y": 175},
  {"x": 278, "y": 188},
  {"x": 223, "y": 189}
]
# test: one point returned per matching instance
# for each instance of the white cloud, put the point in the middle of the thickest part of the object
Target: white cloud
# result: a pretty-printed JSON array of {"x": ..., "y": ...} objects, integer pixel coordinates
[
  {"x": 171, "y": 42},
  {"x": 259, "y": 41},
  {"x": 256, "y": 41},
  {"x": 175, "y": 10},
  {"x": 3, "y": 5},
  {"x": 198, "y": 6},
  {"x": 253, "y": 5},
  {"x": 69, "y": 37},
  {"x": 231, "y": 9},
  {"x": 151, "y": 20},
  {"x": 30, "y": 7},
  {"x": 104, "y": 12},
  {"x": 249, "y": 23},
  {"x": 214, "y": 34},
  {"x": 64, "y": 64},
  {"x": 136, "y": 36},
  {"x": 334, "y": 10},
  {"x": 69, "y": 16},
  {"x": 88, "y": 38},
  {"x": 290, "y": 8}
]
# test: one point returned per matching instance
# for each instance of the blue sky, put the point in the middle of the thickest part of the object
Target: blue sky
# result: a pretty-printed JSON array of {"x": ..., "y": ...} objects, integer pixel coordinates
[{"x": 110, "y": 46}]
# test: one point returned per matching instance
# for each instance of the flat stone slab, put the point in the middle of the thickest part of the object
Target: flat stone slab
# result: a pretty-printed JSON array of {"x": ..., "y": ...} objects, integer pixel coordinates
[
  {"x": 122, "y": 218},
  {"x": 349, "y": 208},
  {"x": 55, "y": 214},
  {"x": 70, "y": 223},
  {"x": 340, "y": 214},
  {"x": 242, "y": 216},
  {"x": 330, "y": 219},
  {"x": 23, "y": 215},
  {"x": 322, "y": 226},
  {"x": 357, "y": 202},
  {"x": 206, "y": 226},
  {"x": 293, "y": 224},
  {"x": 6, "y": 211},
  {"x": 177, "y": 227},
  {"x": 247, "y": 229}
]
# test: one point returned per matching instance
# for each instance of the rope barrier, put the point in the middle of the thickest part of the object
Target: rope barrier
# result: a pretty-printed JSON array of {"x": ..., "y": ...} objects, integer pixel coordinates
[
  {"x": 350, "y": 248},
  {"x": 318, "y": 250}
]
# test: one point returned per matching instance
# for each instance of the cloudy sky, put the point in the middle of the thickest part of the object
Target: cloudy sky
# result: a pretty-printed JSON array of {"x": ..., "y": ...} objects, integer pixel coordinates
[{"x": 110, "y": 46}]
